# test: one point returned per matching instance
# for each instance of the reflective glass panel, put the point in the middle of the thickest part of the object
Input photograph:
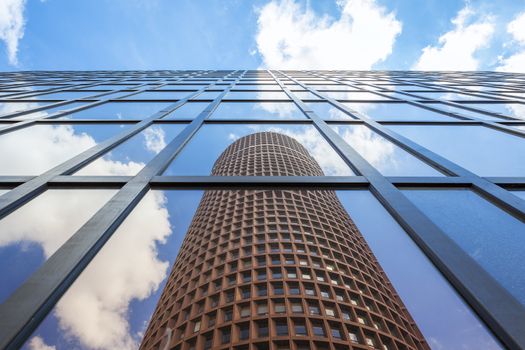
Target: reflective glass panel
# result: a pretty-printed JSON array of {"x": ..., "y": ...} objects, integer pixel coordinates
[
  {"x": 385, "y": 156},
  {"x": 207, "y": 95},
  {"x": 215, "y": 138},
  {"x": 189, "y": 110},
  {"x": 256, "y": 95},
  {"x": 396, "y": 111},
  {"x": 33, "y": 232},
  {"x": 468, "y": 113},
  {"x": 257, "y": 110},
  {"x": 117, "y": 292},
  {"x": 305, "y": 95},
  {"x": 326, "y": 111},
  {"x": 159, "y": 95},
  {"x": 440, "y": 313},
  {"x": 520, "y": 194},
  {"x": 354, "y": 95},
  {"x": 11, "y": 107},
  {"x": 119, "y": 110},
  {"x": 66, "y": 95},
  {"x": 492, "y": 237},
  {"x": 484, "y": 151},
  {"x": 257, "y": 87},
  {"x": 516, "y": 110},
  {"x": 35, "y": 149},
  {"x": 47, "y": 112},
  {"x": 131, "y": 156}
]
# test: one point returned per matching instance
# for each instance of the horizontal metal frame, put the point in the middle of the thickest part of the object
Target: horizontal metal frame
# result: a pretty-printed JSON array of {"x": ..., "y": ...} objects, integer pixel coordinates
[{"x": 33, "y": 300}]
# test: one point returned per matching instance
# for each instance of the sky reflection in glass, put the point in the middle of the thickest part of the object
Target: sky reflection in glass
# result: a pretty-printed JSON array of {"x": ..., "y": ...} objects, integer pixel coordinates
[
  {"x": 49, "y": 111},
  {"x": 256, "y": 95},
  {"x": 491, "y": 236},
  {"x": 326, "y": 111},
  {"x": 159, "y": 95},
  {"x": 396, "y": 111},
  {"x": 35, "y": 149},
  {"x": 257, "y": 110},
  {"x": 215, "y": 138},
  {"x": 54, "y": 216},
  {"x": 189, "y": 110},
  {"x": 66, "y": 95},
  {"x": 116, "y": 294},
  {"x": 484, "y": 151},
  {"x": 119, "y": 110},
  {"x": 11, "y": 107},
  {"x": 440, "y": 313},
  {"x": 131, "y": 156},
  {"x": 385, "y": 156}
]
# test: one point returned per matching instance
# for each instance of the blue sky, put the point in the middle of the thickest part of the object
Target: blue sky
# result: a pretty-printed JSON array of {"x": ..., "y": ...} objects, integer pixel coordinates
[{"x": 349, "y": 34}]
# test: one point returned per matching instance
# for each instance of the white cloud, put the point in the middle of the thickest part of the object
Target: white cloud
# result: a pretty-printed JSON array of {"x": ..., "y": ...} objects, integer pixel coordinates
[
  {"x": 35, "y": 149},
  {"x": 37, "y": 343},
  {"x": 458, "y": 47},
  {"x": 291, "y": 36},
  {"x": 12, "y": 26},
  {"x": 515, "y": 62},
  {"x": 375, "y": 149},
  {"x": 154, "y": 139},
  {"x": 126, "y": 269}
]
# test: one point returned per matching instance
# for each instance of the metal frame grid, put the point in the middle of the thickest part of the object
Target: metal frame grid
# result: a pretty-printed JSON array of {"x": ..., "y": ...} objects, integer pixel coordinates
[{"x": 32, "y": 301}]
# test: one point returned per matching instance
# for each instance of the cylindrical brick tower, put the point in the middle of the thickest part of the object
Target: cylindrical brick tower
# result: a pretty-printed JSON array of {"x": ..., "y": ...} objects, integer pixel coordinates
[{"x": 276, "y": 269}]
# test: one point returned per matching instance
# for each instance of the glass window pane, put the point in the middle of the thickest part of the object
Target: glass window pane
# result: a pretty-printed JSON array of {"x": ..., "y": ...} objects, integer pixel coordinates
[
  {"x": 305, "y": 95},
  {"x": 484, "y": 151},
  {"x": 257, "y": 110},
  {"x": 257, "y": 87},
  {"x": 132, "y": 155},
  {"x": 159, "y": 95},
  {"x": 33, "y": 232},
  {"x": 354, "y": 95},
  {"x": 520, "y": 193},
  {"x": 49, "y": 111},
  {"x": 12, "y": 107},
  {"x": 488, "y": 234},
  {"x": 215, "y": 138},
  {"x": 119, "y": 110},
  {"x": 256, "y": 95},
  {"x": 189, "y": 110},
  {"x": 66, "y": 95},
  {"x": 388, "y": 158},
  {"x": 116, "y": 294},
  {"x": 326, "y": 111},
  {"x": 38, "y": 148},
  {"x": 516, "y": 110},
  {"x": 207, "y": 95},
  {"x": 440, "y": 313},
  {"x": 396, "y": 111},
  {"x": 467, "y": 113}
]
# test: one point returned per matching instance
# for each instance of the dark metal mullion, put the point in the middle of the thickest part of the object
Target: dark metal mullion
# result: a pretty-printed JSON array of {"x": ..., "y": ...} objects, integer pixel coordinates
[
  {"x": 19, "y": 195},
  {"x": 500, "y": 310},
  {"x": 22, "y": 312},
  {"x": 498, "y": 195}
]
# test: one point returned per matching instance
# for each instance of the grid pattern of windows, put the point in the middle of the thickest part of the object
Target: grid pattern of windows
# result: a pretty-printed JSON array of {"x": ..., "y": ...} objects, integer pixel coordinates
[{"x": 397, "y": 132}]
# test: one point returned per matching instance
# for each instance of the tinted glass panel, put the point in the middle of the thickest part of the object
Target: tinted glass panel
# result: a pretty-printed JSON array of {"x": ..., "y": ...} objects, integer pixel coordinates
[
  {"x": 159, "y": 95},
  {"x": 387, "y": 157},
  {"x": 36, "y": 149},
  {"x": 33, "y": 232},
  {"x": 11, "y": 107},
  {"x": 484, "y": 151},
  {"x": 427, "y": 295},
  {"x": 396, "y": 111},
  {"x": 488, "y": 234},
  {"x": 119, "y": 110},
  {"x": 215, "y": 138},
  {"x": 260, "y": 110},
  {"x": 117, "y": 293},
  {"x": 131, "y": 156},
  {"x": 189, "y": 110},
  {"x": 326, "y": 111}
]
